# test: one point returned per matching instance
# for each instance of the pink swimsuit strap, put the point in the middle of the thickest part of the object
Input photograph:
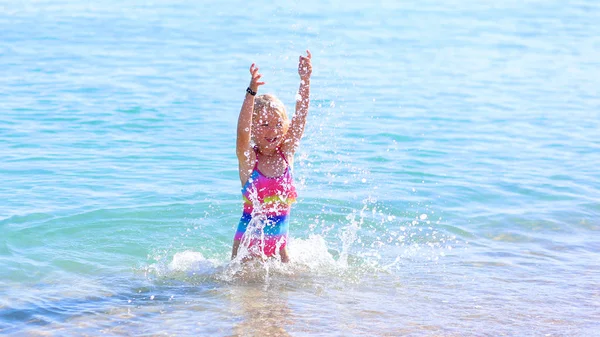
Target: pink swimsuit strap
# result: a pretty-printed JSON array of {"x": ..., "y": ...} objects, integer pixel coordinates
[{"x": 278, "y": 151}]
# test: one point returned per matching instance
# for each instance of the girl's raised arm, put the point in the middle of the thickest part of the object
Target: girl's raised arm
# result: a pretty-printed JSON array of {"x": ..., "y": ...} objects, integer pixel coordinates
[
  {"x": 244, "y": 128},
  {"x": 302, "y": 103}
]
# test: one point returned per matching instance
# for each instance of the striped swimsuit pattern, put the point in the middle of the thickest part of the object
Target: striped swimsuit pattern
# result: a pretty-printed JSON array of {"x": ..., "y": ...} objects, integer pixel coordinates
[{"x": 263, "y": 227}]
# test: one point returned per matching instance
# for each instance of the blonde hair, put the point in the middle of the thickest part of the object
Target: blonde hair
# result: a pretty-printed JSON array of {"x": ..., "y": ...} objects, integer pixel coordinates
[{"x": 270, "y": 102}]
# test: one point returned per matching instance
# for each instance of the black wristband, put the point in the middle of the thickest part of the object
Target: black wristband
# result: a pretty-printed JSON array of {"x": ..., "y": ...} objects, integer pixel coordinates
[{"x": 253, "y": 93}]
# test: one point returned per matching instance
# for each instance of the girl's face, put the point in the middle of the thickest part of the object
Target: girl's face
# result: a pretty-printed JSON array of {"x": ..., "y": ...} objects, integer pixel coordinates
[{"x": 269, "y": 129}]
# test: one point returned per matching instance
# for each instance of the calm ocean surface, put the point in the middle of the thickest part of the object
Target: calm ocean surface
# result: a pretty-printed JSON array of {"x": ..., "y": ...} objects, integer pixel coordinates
[{"x": 449, "y": 178}]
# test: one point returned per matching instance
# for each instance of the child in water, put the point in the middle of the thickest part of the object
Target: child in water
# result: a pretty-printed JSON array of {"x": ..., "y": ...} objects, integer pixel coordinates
[{"x": 266, "y": 143}]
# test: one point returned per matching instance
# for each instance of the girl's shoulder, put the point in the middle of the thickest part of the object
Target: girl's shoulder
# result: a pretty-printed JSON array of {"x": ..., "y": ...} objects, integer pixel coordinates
[{"x": 287, "y": 156}]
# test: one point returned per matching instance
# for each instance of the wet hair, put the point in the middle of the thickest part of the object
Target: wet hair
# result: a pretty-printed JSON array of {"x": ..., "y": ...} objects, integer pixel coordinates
[{"x": 269, "y": 101}]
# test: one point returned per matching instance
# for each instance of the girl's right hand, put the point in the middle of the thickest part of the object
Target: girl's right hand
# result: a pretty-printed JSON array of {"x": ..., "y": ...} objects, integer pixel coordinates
[{"x": 254, "y": 83}]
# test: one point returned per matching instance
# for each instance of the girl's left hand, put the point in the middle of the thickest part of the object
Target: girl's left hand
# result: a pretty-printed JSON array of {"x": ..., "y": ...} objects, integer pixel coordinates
[{"x": 304, "y": 66}]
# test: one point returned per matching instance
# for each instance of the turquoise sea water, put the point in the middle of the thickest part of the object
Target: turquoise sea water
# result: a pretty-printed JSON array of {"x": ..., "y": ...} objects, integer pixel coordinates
[{"x": 449, "y": 180}]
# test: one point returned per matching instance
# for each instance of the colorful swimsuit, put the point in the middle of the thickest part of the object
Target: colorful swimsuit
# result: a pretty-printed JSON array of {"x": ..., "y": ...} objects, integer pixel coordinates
[{"x": 267, "y": 203}]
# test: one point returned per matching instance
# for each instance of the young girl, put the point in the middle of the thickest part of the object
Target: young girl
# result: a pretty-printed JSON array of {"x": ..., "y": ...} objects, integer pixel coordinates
[{"x": 266, "y": 143}]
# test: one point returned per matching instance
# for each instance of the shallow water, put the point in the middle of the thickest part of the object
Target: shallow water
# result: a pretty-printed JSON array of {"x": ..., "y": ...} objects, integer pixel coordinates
[{"x": 448, "y": 179}]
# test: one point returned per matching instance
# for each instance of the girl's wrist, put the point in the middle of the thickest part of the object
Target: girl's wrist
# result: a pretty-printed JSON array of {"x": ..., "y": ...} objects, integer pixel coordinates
[
  {"x": 251, "y": 91},
  {"x": 253, "y": 86}
]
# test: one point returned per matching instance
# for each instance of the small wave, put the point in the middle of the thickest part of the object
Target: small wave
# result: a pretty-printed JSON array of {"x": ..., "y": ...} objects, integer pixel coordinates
[{"x": 310, "y": 257}]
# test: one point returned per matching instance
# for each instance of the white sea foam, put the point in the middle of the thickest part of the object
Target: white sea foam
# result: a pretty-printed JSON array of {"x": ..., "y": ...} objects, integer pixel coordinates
[
  {"x": 309, "y": 256},
  {"x": 192, "y": 261}
]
